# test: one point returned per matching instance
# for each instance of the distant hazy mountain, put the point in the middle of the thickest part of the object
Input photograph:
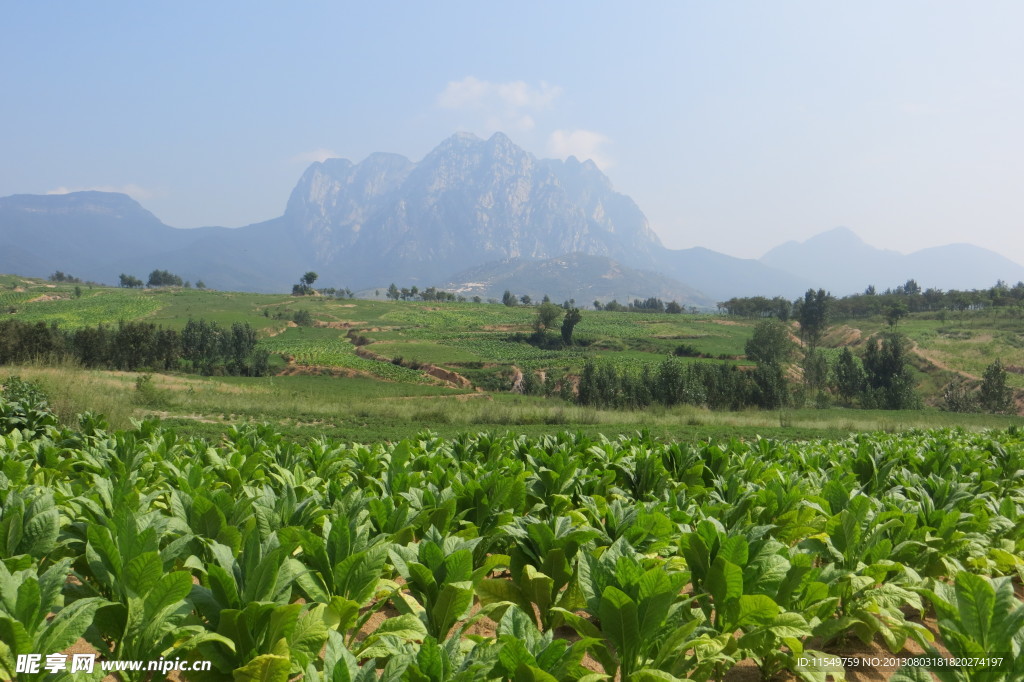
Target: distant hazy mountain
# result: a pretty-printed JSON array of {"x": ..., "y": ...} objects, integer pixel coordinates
[
  {"x": 98, "y": 235},
  {"x": 576, "y": 276},
  {"x": 838, "y": 260},
  {"x": 723, "y": 277}
]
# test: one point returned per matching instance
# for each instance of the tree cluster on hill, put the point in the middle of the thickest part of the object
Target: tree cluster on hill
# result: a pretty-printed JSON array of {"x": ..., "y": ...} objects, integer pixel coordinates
[
  {"x": 429, "y": 294},
  {"x": 163, "y": 278},
  {"x": 201, "y": 347},
  {"x": 62, "y": 277},
  {"x": 305, "y": 285},
  {"x": 758, "y": 306},
  {"x": 649, "y": 305},
  {"x": 547, "y": 317},
  {"x": 338, "y": 293}
]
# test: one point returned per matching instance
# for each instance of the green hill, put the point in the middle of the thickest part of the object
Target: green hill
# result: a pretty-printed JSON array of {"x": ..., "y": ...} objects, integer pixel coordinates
[{"x": 392, "y": 367}]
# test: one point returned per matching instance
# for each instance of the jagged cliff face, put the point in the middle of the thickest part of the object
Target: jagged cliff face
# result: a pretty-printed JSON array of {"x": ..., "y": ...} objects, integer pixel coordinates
[{"x": 468, "y": 201}]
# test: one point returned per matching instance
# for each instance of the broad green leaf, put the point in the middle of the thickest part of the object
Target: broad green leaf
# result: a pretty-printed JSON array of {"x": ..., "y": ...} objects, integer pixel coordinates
[
  {"x": 459, "y": 566},
  {"x": 620, "y": 624},
  {"x": 513, "y": 654},
  {"x": 309, "y": 634},
  {"x": 431, "y": 660},
  {"x": 69, "y": 624},
  {"x": 453, "y": 603},
  {"x": 341, "y": 614},
  {"x": 26, "y": 606},
  {"x": 406, "y": 626},
  {"x": 170, "y": 589},
  {"x": 586, "y": 629},
  {"x": 976, "y": 601},
  {"x": 261, "y": 582},
  {"x": 492, "y": 591},
  {"x": 755, "y": 610},
  {"x": 735, "y": 549},
  {"x": 264, "y": 668},
  {"x": 537, "y": 588},
  {"x": 653, "y": 675},
  {"x": 724, "y": 582},
  {"x": 530, "y": 673},
  {"x": 14, "y": 635},
  {"x": 40, "y": 535}
]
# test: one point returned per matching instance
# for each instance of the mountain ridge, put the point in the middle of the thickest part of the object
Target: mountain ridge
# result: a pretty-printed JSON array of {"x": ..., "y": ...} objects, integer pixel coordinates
[
  {"x": 839, "y": 260},
  {"x": 467, "y": 203}
]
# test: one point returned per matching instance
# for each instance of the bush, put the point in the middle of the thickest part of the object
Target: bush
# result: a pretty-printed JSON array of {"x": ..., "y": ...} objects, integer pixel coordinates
[
  {"x": 302, "y": 318},
  {"x": 24, "y": 406},
  {"x": 958, "y": 396},
  {"x": 146, "y": 392},
  {"x": 685, "y": 350}
]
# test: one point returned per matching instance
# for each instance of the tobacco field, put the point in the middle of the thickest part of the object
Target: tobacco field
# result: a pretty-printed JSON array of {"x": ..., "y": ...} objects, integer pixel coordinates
[{"x": 586, "y": 558}]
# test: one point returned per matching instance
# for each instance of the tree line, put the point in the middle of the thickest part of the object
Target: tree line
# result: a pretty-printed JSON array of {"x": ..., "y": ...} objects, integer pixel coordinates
[
  {"x": 157, "y": 278},
  {"x": 201, "y": 347},
  {"x": 672, "y": 382},
  {"x": 412, "y": 293},
  {"x": 894, "y": 302},
  {"x": 881, "y": 380}
]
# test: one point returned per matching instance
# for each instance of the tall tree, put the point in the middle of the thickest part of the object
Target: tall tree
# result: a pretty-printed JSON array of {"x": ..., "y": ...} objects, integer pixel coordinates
[
  {"x": 569, "y": 322},
  {"x": 890, "y": 384},
  {"x": 547, "y": 315},
  {"x": 894, "y": 312},
  {"x": 813, "y": 313},
  {"x": 849, "y": 376},
  {"x": 769, "y": 344},
  {"x": 994, "y": 395}
]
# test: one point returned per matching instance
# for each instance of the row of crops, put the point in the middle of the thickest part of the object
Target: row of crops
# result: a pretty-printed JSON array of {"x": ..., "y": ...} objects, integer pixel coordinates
[
  {"x": 101, "y": 306},
  {"x": 502, "y": 557},
  {"x": 324, "y": 347}
]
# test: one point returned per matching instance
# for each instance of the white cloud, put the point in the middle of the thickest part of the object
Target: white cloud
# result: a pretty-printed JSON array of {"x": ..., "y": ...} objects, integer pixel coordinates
[
  {"x": 583, "y": 144},
  {"x": 134, "y": 191},
  {"x": 315, "y": 156},
  {"x": 501, "y": 106}
]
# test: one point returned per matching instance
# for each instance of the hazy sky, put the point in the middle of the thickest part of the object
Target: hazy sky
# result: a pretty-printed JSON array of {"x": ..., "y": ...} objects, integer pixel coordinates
[{"x": 734, "y": 125}]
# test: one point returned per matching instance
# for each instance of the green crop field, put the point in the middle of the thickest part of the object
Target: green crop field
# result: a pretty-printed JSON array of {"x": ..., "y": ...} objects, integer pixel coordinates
[
  {"x": 348, "y": 518},
  {"x": 325, "y": 347},
  {"x": 96, "y": 306},
  {"x": 489, "y": 344},
  {"x": 505, "y": 557}
]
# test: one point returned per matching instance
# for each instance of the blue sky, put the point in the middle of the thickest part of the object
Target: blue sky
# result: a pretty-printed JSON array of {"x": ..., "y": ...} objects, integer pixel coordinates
[{"x": 734, "y": 125}]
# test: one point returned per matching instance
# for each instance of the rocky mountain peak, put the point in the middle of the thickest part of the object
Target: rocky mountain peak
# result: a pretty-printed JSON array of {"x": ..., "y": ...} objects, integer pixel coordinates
[{"x": 467, "y": 199}]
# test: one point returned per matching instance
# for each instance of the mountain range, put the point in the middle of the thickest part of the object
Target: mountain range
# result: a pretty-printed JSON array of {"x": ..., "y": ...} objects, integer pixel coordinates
[
  {"x": 475, "y": 216},
  {"x": 844, "y": 264}
]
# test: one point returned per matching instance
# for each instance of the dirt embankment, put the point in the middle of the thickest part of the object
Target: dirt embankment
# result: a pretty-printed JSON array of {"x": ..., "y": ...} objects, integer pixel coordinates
[
  {"x": 447, "y": 376},
  {"x": 322, "y": 370},
  {"x": 843, "y": 335},
  {"x": 275, "y": 332},
  {"x": 340, "y": 325},
  {"x": 935, "y": 362},
  {"x": 517, "y": 380}
]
